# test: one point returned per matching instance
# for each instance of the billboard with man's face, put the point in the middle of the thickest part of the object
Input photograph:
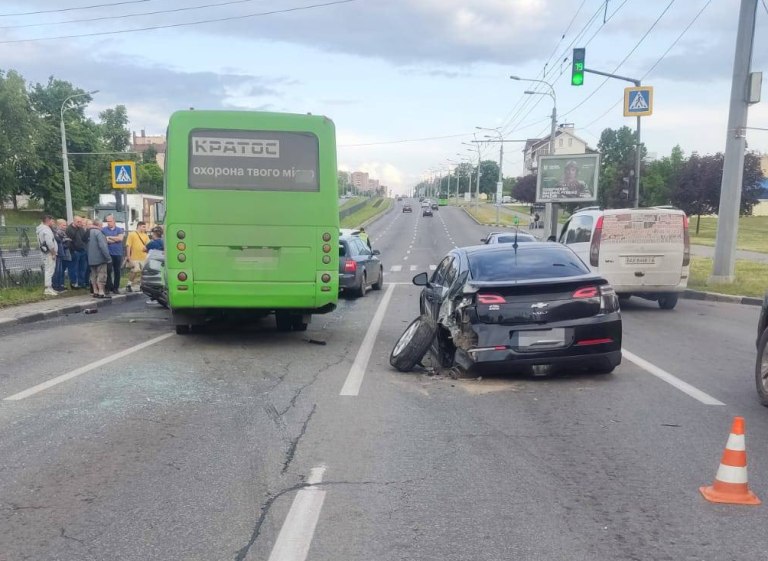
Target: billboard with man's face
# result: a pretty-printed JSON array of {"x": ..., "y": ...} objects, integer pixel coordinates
[{"x": 567, "y": 179}]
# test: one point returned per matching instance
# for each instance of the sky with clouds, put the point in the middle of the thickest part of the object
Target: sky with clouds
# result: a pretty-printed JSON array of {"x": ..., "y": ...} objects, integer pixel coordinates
[{"x": 406, "y": 81}]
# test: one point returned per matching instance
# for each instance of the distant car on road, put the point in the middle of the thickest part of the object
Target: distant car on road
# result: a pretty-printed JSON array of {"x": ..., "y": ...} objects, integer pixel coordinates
[
  {"x": 761, "y": 364},
  {"x": 426, "y": 211},
  {"x": 407, "y": 208},
  {"x": 435, "y": 206},
  {"x": 508, "y": 237},
  {"x": 536, "y": 308},
  {"x": 359, "y": 267}
]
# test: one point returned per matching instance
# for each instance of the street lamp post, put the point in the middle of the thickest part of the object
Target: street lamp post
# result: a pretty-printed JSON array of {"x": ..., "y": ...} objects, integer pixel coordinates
[
  {"x": 501, "y": 173},
  {"x": 65, "y": 159},
  {"x": 479, "y": 158},
  {"x": 551, "y": 213}
]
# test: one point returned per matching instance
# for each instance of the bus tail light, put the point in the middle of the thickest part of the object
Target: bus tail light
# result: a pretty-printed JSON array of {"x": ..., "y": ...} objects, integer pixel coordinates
[
  {"x": 350, "y": 266},
  {"x": 181, "y": 246},
  {"x": 181, "y": 257},
  {"x": 181, "y": 234},
  {"x": 326, "y": 237},
  {"x": 326, "y": 248},
  {"x": 326, "y": 259},
  {"x": 594, "y": 248},
  {"x": 325, "y": 278},
  {"x": 182, "y": 276}
]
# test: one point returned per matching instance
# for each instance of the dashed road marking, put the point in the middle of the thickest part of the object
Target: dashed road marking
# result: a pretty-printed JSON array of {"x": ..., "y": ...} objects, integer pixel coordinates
[{"x": 396, "y": 268}]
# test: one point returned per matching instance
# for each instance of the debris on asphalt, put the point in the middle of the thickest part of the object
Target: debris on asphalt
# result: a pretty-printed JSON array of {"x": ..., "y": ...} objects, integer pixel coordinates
[
  {"x": 91, "y": 311},
  {"x": 316, "y": 342}
]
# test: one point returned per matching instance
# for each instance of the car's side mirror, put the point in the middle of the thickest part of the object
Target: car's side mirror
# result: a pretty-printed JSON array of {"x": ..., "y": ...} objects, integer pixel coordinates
[
  {"x": 341, "y": 251},
  {"x": 376, "y": 252},
  {"x": 483, "y": 240},
  {"x": 421, "y": 279},
  {"x": 551, "y": 239}
]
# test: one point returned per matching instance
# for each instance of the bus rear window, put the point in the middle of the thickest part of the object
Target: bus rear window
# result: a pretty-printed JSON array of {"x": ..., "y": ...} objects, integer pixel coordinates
[{"x": 242, "y": 160}]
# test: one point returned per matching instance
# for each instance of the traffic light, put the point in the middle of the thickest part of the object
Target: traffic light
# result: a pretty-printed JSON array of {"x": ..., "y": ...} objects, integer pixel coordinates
[{"x": 577, "y": 73}]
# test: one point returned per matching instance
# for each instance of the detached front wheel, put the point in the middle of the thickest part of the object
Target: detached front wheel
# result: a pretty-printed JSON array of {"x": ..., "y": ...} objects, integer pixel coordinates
[{"x": 413, "y": 344}]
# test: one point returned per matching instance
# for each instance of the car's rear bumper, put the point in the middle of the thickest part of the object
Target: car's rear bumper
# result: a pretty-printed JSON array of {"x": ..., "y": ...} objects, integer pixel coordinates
[
  {"x": 495, "y": 346},
  {"x": 348, "y": 280}
]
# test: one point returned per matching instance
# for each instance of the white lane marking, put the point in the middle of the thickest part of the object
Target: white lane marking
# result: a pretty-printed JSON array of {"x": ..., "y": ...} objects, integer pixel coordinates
[
  {"x": 297, "y": 532},
  {"x": 83, "y": 369},
  {"x": 413, "y": 267},
  {"x": 684, "y": 387},
  {"x": 432, "y": 267},
  {"x": 408, "y": 252},
  {"x": 396, "y": 268},
  {"x": 356, "y": 373}
]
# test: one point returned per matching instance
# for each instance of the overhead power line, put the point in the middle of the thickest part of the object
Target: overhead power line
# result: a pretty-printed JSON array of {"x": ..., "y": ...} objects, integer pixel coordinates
[
  {"x": 658, "y": 60},
  {"x": 182, "y": 24},
  {"x": 404, "y": 140},
  {"x": 629, "y": 54},
  {"x": 72, "y": 9},
  {"x": 125, "y": 16}
]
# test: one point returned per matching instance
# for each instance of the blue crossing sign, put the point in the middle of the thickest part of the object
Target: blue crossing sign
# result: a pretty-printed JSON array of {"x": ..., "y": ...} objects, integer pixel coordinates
[
  {"x": 638, "y": 102},
  {"x": 124, "y": 175}
]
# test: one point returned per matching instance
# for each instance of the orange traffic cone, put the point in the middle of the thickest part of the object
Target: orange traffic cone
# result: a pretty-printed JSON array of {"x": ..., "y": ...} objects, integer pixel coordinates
[{"x": 730, "y": 484}]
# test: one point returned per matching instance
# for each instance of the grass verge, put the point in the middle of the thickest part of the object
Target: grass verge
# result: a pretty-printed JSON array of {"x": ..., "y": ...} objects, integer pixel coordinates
[
  {"x": 18, "y": 295},
  {"x": 753, "y": 232},
  {"x": 21, "y": 217},
  {"x": 372, "y": 208},
  {"x": 486, "y": 214},
  {"x": 351, "y": 202},
  {"x": 751, "y": 278}
]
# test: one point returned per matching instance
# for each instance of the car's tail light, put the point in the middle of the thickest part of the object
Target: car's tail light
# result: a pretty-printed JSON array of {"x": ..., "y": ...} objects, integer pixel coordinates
[
  {"x": 609, "y": 302},
  {"x": 587, "y": 292},
  {"x": 490, "y": 299},
  {"x": 594, "y": 248},
  {"x": 350, "y": 266},
  {"x": 686, "y": 242}
]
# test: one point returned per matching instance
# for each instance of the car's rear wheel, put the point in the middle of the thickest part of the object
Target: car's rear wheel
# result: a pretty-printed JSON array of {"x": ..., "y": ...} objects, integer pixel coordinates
[
  {"x": 413, "y": 344},
  {"x": 668, "y": 301},
  {"x": 363, "y": 285},
  {"x": 182, "y": 329},
  {"x": 378, "y": 284},
  {"x": 761, "y": 368}
]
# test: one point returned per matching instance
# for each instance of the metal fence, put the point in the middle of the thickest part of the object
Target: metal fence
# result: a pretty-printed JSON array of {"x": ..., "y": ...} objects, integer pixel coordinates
[{"x": 21, "y": 263}]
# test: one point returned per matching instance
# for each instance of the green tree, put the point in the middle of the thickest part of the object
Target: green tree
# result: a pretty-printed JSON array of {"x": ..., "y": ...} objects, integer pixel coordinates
[
  {"x": 617, "y": 164},
  {"x": 343, "y": 181},
  {"x": 114, "y": 128},
  {"x": 525, "y": 189},
  {"x": 150, "y": 154},
  {"x": 18, "y": 132},
  {"x": 489, "y": 176},
  {"x": 150, "y": 178},
  {"x": 86, "y": 172}
]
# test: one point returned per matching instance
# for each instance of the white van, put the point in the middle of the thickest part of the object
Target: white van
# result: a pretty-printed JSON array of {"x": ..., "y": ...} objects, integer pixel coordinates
[{"x": 643, "y": 252}]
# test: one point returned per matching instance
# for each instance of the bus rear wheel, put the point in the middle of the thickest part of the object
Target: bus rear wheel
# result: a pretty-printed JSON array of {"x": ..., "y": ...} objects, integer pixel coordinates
[{"x": 290, "y": 322}]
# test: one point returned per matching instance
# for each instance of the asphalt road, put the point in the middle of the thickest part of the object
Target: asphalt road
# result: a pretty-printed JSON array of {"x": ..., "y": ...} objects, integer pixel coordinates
[{"x": 237, "y": 445}]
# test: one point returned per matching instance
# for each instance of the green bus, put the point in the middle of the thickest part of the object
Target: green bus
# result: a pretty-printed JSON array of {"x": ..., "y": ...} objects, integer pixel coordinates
[
  {"x": 442, "y": 199},
  {"x": 252, "y": 217}
]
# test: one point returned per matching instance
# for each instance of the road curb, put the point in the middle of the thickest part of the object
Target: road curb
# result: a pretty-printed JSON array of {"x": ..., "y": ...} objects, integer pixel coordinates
[
  {"x": 67, "y": 310},
  {"x": 382, "y": 214},
  {"x": 717, "y": 297}
]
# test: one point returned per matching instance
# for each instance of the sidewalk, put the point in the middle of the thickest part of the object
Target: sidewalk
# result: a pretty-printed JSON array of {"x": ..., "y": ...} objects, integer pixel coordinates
[
  {"x": 38, "y": 311},
  {"x": 707, "y": 251}
]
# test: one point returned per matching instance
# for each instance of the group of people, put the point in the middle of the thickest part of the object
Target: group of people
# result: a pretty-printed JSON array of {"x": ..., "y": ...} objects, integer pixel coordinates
[{"x": 93, "y": 254}]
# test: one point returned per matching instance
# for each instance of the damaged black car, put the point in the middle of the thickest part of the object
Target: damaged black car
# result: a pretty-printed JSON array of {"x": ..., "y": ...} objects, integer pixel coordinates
[{"x": 531, "y": 308}]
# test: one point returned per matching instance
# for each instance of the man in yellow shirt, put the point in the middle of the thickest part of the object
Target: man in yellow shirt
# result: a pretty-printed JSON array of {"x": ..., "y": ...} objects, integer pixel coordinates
[{"x": 135, "y": 255}]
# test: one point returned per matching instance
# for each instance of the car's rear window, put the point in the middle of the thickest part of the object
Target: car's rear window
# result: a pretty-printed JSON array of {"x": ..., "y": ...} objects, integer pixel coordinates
[
  {"x": 539, "y": 263},
  {"x": 511, "y": 239}
]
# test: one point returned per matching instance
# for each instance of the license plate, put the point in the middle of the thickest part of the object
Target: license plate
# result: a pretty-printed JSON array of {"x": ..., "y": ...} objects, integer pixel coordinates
[
  {"x": 640, "y": 260},
  {"x": 544, "y": 338}
]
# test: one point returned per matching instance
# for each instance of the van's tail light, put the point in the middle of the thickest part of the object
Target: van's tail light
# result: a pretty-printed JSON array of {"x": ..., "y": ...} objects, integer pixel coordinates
[
  {"x": 350, "y": 266},
  {"x": 490, "y": 299},
  {"x": 686, "y": 242},
  {"x": 609, "y": 302},
  {"x": 594, "y": 248}
]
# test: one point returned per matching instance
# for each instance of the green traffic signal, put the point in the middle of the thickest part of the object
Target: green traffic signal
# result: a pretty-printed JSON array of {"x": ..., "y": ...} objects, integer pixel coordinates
[{"x": 577, "y": 69}]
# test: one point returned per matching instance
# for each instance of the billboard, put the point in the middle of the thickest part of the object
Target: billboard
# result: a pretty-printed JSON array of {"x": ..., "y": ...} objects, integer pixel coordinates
[{"x": 567, "y": 179}]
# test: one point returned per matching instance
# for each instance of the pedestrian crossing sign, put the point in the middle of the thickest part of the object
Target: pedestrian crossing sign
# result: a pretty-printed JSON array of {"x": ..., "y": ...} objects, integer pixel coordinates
[
  {"x": 124, "y": 175},
  {"x": 638, "y": 102}
]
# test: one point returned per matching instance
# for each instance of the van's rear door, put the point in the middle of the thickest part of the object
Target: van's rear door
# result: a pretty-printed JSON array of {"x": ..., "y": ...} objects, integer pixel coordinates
[{"x": 642, "y": 247}]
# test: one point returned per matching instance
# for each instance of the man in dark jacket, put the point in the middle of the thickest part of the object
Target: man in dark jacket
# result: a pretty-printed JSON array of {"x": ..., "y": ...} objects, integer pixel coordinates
[
  {"x": 79, "y": 264},
  {"x": 98, "y": 257}
]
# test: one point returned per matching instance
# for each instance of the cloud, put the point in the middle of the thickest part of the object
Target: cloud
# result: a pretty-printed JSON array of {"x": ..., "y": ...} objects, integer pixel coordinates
[{"x": 151, "y": 91}]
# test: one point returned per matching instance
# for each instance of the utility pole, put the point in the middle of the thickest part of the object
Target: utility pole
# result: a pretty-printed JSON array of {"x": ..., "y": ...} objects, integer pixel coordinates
[{"x": 735, "y": 144}]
